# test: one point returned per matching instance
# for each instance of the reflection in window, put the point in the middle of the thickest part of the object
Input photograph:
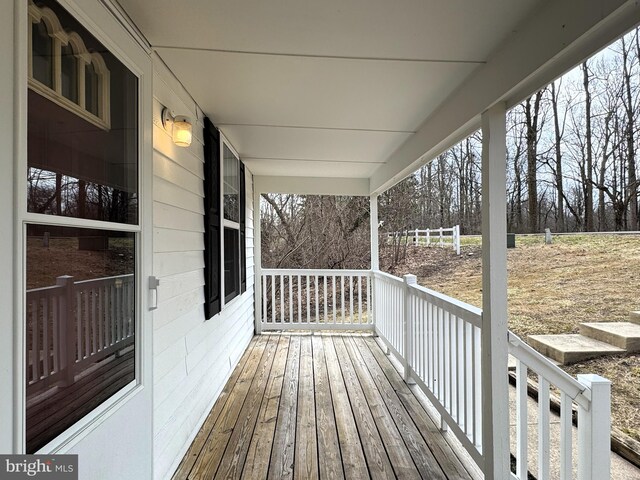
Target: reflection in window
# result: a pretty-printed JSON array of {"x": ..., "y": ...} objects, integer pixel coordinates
[
  {"x": 69, "y": 64},
  {"x": 231, "y": 263},
  {"x": 42, "y": 54},
  {"x": 91, "y": 89},
  {"x": 80, "y": 324},
  {"x": 230, "y": 170}
]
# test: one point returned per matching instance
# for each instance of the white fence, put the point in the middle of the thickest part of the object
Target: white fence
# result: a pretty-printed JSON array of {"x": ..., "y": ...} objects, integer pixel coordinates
[
  {"x": 442, "y": 237},
  {"x": 73, "y": 324},
  {"x": 438, "y": 341}
]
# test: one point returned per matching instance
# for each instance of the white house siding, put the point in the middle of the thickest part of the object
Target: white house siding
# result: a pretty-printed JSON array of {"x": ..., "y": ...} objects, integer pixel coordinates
[{"x": 193, "y": 358}]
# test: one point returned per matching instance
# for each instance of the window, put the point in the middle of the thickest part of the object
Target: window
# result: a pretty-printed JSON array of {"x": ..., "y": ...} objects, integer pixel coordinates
[
  {"x": 80, "y": 283},
  {"x": 225, "y": 257}
]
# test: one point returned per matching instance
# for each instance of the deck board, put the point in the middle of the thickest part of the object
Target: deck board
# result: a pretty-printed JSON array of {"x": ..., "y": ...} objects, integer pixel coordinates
[{"x": 318, "y": 407}]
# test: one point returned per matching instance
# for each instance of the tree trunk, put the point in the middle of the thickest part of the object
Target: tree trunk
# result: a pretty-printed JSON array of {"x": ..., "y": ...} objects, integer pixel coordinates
[
  {"x": 588, "y": 181},
  {"x": 532, "y": 115},
  {"x": 558, "y": 138}
]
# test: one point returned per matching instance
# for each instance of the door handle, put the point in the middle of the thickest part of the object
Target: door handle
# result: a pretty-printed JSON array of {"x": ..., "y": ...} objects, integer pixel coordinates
[{"x": 154, "y": 282}]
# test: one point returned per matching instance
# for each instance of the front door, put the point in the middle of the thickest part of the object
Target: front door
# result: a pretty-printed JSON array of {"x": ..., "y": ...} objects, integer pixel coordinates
[{"x": 85, "y": 241}]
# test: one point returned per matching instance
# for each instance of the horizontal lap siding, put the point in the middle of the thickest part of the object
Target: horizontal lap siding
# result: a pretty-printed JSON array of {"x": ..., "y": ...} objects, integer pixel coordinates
[{"x": 193, "y": 358}]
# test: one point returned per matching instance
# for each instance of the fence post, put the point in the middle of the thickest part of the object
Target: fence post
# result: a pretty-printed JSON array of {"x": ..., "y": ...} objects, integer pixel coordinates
[
  {"x": 67, "y": 328},
  {"x": 407, "y": 323},
  {"x": 594, "y": 430},
  {"x": 457, "y": 239},
  {"x": 428, "y": 237},
  {"x": 440, "y": 236},
  {"x": 416, "y": 238}
]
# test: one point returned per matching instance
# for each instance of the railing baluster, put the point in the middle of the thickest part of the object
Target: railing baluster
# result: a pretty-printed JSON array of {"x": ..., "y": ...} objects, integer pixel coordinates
[
  {"x": 282, "y": 319},
  {"x": 299, "y": 299},
  {"x": 308, "y": 299},
  {"x": 543, "y": 428},
  {"x": 566, "y": 431},
  {"x": 522, "y": 422},
  {"x": 290, "y": 299},
  {"x": 351, "y": 316},
  {"x": 342, "y": 309},
  {"x": 79, "y": 324},
  {"x": 316, "y": 287},
  {"x": 45, "y": 337},
  {"x": 101, "y": 323},
  {"x": 360, "y": 299},
  {"x": 94, "y": 321},
  {"x": 264, "y": 299},
  {"x": 35, "y": 339},
  {"x": 478, "y": 387},
  {"x": 333, "y": 280},
  {"x": 55, "y": 313}
]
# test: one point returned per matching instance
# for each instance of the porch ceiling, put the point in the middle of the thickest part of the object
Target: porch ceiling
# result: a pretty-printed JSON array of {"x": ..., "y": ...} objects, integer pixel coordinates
[{"x": 345, "y": 88}]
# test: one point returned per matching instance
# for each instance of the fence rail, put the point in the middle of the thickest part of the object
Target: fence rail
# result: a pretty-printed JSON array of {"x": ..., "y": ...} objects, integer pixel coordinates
[
  {"x": 442, "y": 237},
  {"x": 438, "y": 341},
  {"x": 73, "y": 324}
]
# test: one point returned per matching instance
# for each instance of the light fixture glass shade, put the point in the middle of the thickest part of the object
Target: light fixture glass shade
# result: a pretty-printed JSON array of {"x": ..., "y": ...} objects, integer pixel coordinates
[{"x": 181, "y": 132}]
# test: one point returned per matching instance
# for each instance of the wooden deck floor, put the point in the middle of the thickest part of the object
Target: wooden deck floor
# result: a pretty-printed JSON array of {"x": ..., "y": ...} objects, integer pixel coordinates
[{"x": 311, "y": 406}]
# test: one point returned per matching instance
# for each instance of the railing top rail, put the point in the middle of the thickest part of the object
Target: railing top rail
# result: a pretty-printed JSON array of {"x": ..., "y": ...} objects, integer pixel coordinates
[
  {"x": 45, "y": 290},
  {"x": 387, "y": 276},
  {"x": 105, "y": 279},
  {"x": 311, "y": 271},
  {"x": 555, "y": 375}
]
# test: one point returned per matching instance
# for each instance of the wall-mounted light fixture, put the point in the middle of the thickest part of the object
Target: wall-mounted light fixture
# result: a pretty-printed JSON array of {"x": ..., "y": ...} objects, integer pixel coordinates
[{"x": 179, "y": 126}]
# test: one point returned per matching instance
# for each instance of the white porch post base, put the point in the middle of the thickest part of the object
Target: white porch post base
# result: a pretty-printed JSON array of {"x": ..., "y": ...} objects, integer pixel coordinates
[{"x": 495, "y": 399}]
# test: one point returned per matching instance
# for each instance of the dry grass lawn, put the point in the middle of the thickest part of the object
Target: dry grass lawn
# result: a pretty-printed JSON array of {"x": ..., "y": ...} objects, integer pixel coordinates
[{"x": 551, "y": 289}]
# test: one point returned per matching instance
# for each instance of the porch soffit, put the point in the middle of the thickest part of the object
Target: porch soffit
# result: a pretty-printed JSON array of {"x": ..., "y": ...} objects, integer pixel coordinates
[{"x": 356, "y": 89}]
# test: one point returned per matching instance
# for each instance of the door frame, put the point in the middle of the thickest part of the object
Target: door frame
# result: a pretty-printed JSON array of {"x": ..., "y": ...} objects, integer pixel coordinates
[{"x": 100, "y": 22}]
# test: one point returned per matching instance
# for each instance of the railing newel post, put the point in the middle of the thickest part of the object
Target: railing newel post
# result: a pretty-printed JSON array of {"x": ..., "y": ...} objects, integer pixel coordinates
[
  {"x": 67, "y": 330},
  {"x": 407, "y": 323},
  {"x": 594, "y": 430}
]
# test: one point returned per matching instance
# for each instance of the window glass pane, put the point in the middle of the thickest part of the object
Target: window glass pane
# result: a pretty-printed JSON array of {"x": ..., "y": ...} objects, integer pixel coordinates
[
  {"x": 77, "y": 168},
  {"x": 231, "y": 263},
  {"x": 91, "y": 89},
  {"x": 231, "y": 186},
  {"x": 80, "y": 324},
  {"x": 69, "y": 64},
  {"x": 42, "y": 59}
]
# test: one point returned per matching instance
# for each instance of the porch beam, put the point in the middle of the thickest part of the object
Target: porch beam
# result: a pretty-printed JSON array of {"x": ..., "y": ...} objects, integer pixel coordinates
[
  {"x": 312, "y": 185},
  {"x": 558, "y": 36},
  {"x": 495, "y": 397}
]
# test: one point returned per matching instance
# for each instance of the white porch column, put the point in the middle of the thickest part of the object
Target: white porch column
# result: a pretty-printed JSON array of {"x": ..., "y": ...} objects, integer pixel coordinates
[
  {"x": 257, "y": 260},
  {"x": 373, "y": 215},
  {"x": 495, "y": 399}
]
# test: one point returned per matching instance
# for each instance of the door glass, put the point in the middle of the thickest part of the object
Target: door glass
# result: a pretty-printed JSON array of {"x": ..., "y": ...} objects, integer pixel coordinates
[
  {"x": 80, "y": 310},
  {"x": 80, "y": 325}
]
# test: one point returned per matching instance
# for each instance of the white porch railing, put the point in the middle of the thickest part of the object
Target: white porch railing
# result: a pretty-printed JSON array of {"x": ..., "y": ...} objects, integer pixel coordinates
[
  {"x": 72, "y": 324},
  {"x": 438, "y": 341},
  {"x": 316, "y": 299}
]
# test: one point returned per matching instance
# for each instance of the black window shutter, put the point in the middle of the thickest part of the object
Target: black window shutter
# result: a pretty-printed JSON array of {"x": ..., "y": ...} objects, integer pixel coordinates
[
  {"x": 212, "y": 220},
  {"x": 243, "y": 246}
]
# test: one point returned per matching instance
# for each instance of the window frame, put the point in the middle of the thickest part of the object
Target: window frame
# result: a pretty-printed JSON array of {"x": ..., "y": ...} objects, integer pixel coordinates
[{"x": 229, "y": 224}]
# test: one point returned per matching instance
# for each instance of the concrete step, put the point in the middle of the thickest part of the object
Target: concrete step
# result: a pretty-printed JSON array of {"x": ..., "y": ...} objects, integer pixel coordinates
[
  {"x": 634, "y": 317},
  {"x": 619, "y": 334},
  {"x": 571, "y": 348}
]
